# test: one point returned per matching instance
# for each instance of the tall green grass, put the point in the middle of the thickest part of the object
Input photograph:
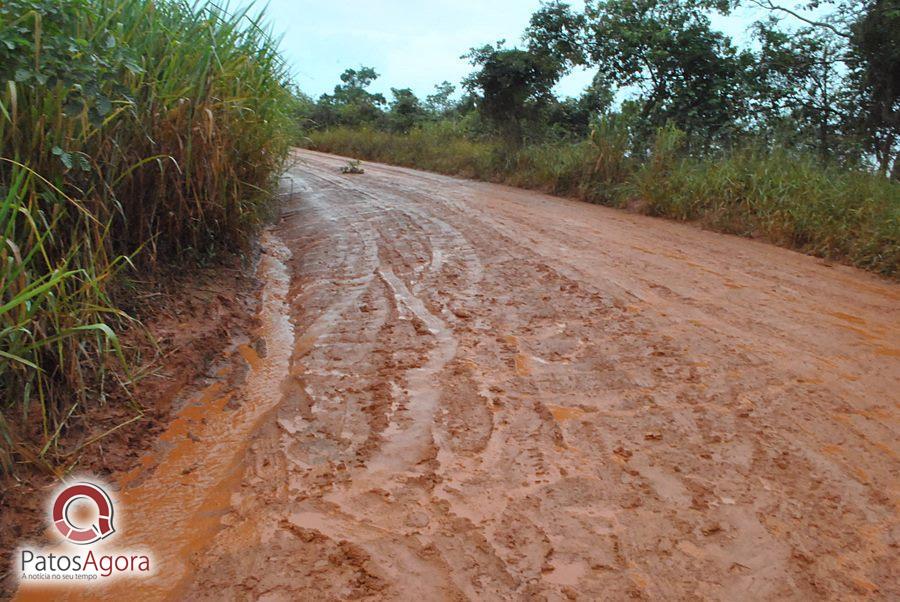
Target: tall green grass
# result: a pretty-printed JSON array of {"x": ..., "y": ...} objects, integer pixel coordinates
[
  {"x": 787, "y": 198},
  {"x": 790, "y": 200},
  {"x": 132, "y": 132}
]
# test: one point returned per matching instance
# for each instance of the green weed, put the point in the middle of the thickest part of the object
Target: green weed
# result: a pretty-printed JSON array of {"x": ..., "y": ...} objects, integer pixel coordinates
[{"x": 131, "y": 132}]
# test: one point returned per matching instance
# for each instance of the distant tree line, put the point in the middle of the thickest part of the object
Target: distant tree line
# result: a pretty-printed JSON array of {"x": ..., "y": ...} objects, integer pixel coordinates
[{"x": 823, "y": 77}]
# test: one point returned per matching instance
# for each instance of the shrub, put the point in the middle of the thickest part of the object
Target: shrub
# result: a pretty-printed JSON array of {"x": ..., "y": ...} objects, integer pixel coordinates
[{"x": 125, "y": 125}]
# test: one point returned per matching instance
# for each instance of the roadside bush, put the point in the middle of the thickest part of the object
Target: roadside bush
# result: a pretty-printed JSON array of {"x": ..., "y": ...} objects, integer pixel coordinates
[
  {"x": 790, "y": 200},
  {"x": 125, "y": 126}
]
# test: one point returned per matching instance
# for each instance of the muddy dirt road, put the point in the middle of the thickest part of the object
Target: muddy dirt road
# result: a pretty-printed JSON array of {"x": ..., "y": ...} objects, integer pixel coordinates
[{"x": 467, "y": 391}]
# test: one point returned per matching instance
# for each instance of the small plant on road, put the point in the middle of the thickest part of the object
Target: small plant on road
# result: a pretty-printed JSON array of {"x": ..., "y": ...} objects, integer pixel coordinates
[{"x": 352, "y": 167}]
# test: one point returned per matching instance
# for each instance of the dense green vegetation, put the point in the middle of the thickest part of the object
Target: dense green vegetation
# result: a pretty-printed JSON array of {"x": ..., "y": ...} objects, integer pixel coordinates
[
  {"x": 131, "y": 133},
  {"x": 794, "y": 139}
]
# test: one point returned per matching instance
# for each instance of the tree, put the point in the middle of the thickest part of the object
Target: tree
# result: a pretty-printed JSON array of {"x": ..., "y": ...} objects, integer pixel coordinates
[
  {"x": 684, "y": 72},
  {"x": 440, "y": 102},
  {"x": 875, "y": 60},
  {"x": 556, "y": 31},
  {"x": 798, "y": 84},
  {"x": 864, "y": 35},
  {"x": 832, "y": 27},
  {"x": 405, "y": 110},
  {"x": 351, "y": 104},
  {"x": 572, "y": 117},
  {"x": 512, "y": 86}
]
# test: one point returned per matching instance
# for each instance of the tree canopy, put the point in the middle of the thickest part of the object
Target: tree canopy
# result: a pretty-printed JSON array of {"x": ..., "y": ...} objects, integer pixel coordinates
[
  {"x": 823, "y": 76},
  {"x": 512, "y": 84}
]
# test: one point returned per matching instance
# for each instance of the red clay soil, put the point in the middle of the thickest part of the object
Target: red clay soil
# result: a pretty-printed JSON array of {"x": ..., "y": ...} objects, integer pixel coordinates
[
  {"x": 189, "y": 317},
  {"x": 466, "y": 391}
]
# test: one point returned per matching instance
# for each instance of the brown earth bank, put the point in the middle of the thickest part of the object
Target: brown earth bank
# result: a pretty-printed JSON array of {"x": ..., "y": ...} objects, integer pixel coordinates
[
  {"x": 184, "y": 318},
  {"x": 461, "y": 390}
]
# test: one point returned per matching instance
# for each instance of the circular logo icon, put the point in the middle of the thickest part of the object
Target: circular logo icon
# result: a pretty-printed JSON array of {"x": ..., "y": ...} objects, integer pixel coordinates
[{"x": 83, "y": 534}]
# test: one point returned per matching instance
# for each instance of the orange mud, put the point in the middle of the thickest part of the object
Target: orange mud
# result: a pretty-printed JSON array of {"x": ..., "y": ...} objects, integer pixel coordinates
[{"x": 495, "y": 394}]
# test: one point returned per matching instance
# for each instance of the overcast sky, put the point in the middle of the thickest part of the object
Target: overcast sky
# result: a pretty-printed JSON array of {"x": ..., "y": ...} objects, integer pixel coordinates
[{"x": 411, "y": 43}]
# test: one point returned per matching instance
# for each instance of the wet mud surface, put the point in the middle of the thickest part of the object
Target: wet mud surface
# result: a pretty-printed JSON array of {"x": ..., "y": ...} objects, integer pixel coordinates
[
  {"x": 467, "y": 391},
  {"x": 188, "y": 318}
]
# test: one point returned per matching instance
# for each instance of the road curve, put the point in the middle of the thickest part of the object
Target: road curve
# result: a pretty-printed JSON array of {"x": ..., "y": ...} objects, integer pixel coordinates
[
  {"x": 495, "y": 394},
  {"x": 499, "y": 394}
]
